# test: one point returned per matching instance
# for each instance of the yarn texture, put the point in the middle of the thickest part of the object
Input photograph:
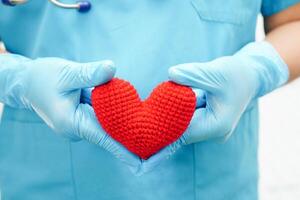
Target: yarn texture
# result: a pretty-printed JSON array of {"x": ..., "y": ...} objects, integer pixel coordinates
[{"x": 143, "y": 127}]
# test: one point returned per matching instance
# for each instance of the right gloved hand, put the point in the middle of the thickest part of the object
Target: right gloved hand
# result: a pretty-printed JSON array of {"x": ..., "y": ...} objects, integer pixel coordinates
[{"x": 52, "y": 87}]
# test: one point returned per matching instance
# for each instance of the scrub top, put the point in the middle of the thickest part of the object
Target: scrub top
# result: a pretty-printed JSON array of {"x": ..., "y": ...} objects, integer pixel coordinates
[{"x": 144, "y": 38}]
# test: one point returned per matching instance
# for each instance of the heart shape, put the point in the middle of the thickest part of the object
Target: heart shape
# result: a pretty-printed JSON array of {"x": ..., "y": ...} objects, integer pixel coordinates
[{"x": 143, "y": 127}]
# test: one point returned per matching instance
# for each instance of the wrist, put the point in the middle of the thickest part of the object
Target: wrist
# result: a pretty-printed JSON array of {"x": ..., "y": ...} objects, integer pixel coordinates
[
  {"x": 12, "y": 73},
  {"x": 270, "y": 69}
]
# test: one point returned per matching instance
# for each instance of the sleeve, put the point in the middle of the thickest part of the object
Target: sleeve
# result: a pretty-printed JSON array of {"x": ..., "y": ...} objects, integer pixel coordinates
[{"x": 270, "y": 7}]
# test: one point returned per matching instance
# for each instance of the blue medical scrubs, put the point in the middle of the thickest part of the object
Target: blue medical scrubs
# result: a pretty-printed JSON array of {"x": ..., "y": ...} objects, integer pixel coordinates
[{"x": 144, "y": 38}]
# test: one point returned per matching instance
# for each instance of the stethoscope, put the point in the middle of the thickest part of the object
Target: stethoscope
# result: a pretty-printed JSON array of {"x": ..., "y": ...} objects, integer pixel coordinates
[{"x": 81, "y": 6}]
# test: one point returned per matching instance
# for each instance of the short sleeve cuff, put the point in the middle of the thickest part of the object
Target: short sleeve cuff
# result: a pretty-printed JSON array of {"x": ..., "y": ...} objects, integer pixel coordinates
[{"x": 273, "y": 7}]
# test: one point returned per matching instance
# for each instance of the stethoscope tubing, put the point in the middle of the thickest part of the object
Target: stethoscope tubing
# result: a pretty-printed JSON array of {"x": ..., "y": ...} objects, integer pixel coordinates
[{"x": 81, "y": 6}]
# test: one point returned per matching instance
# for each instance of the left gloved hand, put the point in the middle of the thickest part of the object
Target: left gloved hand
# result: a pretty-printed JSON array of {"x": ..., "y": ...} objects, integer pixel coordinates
[
  {"x": 53, "y": 88},
  {"x": 230, "y": 84}
]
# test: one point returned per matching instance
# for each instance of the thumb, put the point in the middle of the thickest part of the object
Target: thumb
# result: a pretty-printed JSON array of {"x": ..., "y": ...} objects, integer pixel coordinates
[
  {"x": 196, "y": 75},
  {"x": 84, "y": 75}
]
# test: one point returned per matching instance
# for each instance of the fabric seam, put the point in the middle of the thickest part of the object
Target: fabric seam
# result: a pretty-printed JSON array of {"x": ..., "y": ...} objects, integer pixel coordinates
[
  {"x": 72, "y": 172},
  {"x": 194, "y": 172}
]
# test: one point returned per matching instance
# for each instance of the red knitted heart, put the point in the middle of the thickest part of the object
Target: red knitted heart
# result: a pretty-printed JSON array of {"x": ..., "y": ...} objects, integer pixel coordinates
[{"x": 143, "y": 127}]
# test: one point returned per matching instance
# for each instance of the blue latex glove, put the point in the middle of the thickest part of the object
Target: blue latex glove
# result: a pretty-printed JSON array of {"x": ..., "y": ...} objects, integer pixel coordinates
[
  {"x": 230, "y": 85},
  {"x": 52, "y": 88}
]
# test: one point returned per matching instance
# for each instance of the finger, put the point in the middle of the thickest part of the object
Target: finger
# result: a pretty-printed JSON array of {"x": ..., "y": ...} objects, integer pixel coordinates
[
  {"x": 199, "y": 128},
  {"x": 158, "y": 158},
  {"x": 196, "y": 75},
  {"x": 85, "y": 75},
  {"x": 200, "y": 98},
  {"x": 86, "y": 125},
  {"x": 207, "y": 124},
  {"x": 132, "y": 161},
  {"x": 153, "y": 162},
  {"x": 89, "y": 129},
  {"x": 85, "y": 96}
]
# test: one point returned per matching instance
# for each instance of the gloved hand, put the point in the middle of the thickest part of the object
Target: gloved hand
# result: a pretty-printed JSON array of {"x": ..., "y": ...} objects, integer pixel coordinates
[
  {"x": 52, "y": 88},
  {"x": 230, "y": 84}
]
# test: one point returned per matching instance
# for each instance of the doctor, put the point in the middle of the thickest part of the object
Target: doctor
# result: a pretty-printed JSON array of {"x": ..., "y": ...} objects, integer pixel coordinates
[{"x": 57, "y": 55}]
